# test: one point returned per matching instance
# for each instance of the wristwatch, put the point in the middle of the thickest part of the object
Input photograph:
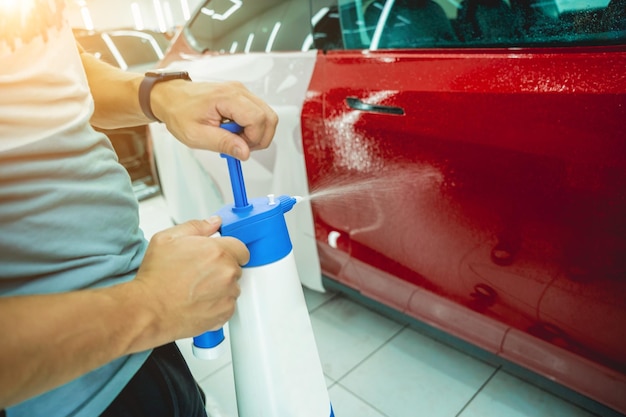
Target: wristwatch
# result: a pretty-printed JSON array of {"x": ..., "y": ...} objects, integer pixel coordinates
[{"x": 145, "y": 88}]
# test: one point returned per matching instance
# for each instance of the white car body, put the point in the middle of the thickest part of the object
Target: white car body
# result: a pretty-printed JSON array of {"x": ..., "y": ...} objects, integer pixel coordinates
[{"x": 196, "y": 182}]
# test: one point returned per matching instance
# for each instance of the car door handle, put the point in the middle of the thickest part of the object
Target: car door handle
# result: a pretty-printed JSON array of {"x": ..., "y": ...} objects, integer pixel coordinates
[{"x": 357, "y": 104}]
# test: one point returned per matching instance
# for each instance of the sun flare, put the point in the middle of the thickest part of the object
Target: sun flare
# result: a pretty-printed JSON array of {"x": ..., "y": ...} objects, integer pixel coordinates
[
  {"x": 22, "y": 21},
  {"x": 14, "y": 15},
  {"x": 13, "y": 6}
]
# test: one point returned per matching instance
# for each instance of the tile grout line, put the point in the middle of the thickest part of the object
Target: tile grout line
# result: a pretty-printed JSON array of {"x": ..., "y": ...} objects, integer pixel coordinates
[
  {"x": 338, "y": 381},
  {"x": 211, "y": 374},
  {"x": 478, "y": 391},
  {"x": 373, "y": 407},
  {"x": 324, "y": 303},
  {"x": 393, "y": 336}
]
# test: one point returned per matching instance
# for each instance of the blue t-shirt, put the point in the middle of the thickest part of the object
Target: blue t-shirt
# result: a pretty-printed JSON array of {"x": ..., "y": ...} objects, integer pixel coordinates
[
  {"x": 69, "y": 220},
  {"x": 68, "y": 214}
]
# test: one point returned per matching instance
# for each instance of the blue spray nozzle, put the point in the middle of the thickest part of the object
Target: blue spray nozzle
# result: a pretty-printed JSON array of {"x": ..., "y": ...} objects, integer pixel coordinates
[{"x": 287, "y": 202}]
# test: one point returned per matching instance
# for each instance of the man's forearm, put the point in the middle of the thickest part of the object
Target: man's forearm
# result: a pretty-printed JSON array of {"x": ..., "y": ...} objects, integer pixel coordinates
[
  {"x": 186, "y": 285},
  {"x": 115, "y": 93},
  {"x": 192, "y": 112},
  {"x": 49, "y": 340}
]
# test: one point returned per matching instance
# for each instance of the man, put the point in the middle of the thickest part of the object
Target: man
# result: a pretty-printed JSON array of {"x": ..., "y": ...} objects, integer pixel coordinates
[{"x": 88, "y": 311}]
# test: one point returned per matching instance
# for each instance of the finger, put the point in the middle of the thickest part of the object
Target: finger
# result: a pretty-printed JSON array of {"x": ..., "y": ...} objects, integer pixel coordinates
[
  {"x": 260, "y": 129},
  {"x": 269, "y": 129},
  {"x": 236, "y": 248},
  {"x": 235, "y": 146},
  {"x": 256, "y": 117},
  {"x": 196, "y": 227},
  {"x": 221, "y": 141}
]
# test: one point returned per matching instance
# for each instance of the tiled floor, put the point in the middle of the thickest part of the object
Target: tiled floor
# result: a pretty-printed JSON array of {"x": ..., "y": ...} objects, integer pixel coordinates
[{"x": 376, "y": 367}]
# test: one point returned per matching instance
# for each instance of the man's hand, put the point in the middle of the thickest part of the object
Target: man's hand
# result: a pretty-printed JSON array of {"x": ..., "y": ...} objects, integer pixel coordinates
[
  {"x": 193, "y": 111},
  {"x": 186, "y": 285},
  {"x": 189, "y": 279}
]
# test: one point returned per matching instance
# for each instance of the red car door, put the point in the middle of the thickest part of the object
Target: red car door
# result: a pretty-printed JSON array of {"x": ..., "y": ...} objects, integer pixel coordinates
[{"x": 472, "y": 173}]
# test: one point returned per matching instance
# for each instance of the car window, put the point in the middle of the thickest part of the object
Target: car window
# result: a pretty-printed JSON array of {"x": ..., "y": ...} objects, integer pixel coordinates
[
  {"x": 388, "y": 24},
  {"x": 233, "y": 26},
  {"x": 94, "y": 44},
  {"x": 137, "y": 48}
]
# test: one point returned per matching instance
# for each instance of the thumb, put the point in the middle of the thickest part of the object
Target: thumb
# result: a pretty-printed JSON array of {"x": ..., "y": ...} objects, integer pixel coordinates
[{"x": 197, "y": 227}]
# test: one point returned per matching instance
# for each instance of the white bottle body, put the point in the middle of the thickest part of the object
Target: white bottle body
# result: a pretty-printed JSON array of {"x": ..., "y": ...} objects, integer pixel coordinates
[{"x": 275, "y": 359}]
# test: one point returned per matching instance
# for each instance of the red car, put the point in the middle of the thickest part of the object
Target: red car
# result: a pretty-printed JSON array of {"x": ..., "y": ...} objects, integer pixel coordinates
[{"x": 466, "y": 163}]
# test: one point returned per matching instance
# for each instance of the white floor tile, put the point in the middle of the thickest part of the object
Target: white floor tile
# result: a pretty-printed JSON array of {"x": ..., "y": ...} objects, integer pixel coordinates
[
  {"x": 346, "y": 404},
  {"x": 413, "y": 375},
  {"x": 347, "y": 333},
  {"x": 315, "y": 299},
  {"x": 506, "y": 395},
  {"x": 219, "y": 389}
]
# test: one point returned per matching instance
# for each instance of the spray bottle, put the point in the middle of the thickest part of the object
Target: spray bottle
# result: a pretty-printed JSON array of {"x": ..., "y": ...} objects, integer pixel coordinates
[{"x": 275, "y": 360}]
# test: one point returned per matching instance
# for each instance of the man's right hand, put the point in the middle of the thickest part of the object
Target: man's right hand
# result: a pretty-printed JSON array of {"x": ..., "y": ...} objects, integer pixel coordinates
[{"x": 190, "y": 280}]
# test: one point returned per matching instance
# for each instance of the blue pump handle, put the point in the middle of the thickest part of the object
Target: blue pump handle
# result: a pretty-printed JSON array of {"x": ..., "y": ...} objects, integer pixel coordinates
[
  {"x": 234, "y": 170},
  {"x": 236, "y": 181},
  {"x": 212, "y": 339}
]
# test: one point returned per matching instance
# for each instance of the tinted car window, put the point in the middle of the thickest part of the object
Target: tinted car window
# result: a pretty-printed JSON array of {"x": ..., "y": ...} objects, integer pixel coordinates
[
  {"x": 137, "y": 48},
  {"x": 94, "y": 44},
  {"x": 254, "y": 26},
  {"x": 327, "y": 30},
  {"x": 385, "y": 24}
]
